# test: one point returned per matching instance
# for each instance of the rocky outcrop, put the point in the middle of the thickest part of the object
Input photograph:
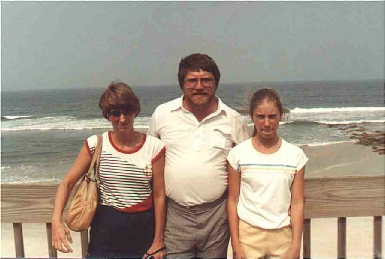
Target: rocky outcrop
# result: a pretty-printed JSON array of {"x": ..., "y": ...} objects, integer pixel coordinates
[{"x": 375, "y": 139}]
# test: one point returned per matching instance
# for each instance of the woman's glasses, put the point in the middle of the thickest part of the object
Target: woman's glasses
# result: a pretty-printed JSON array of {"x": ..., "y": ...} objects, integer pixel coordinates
[{"x": 118, "y": 113}]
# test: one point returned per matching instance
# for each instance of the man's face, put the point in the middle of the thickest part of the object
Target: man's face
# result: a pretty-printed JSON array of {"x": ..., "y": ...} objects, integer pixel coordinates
[{"x": 199, "y": 89}]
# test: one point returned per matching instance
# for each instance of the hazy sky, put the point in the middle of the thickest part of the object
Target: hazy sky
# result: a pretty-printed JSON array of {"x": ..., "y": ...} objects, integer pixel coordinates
[{"x": 89, "y": 44}]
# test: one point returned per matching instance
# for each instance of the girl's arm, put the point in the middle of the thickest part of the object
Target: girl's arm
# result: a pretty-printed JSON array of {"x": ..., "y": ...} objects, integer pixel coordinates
[
  {"x": 297, "y": 214},
  {"x": 60, "y": 234},
  {"x": 232, "y": 202},
  {"x": 159, "y": 195}
]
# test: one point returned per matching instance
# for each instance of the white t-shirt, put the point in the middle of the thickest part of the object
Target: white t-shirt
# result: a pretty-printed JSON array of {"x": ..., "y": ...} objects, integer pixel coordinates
[
  {"x": 266, "y": 179},
  {"x": 195, "y": 167},
  {"x": 125, "y": 177}
]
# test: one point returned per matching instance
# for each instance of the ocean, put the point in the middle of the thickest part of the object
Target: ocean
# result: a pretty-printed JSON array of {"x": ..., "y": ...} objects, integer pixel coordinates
[{"x": 43, "y": 130}]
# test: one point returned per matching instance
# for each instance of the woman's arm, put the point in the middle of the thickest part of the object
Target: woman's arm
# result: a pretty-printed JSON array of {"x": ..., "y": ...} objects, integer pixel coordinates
[
  {"x": 232, "y": 215},
  {"x": 297, "y": 214},
  {"x": 60, "y": 234},
  {"x": 159, "y": 194}
]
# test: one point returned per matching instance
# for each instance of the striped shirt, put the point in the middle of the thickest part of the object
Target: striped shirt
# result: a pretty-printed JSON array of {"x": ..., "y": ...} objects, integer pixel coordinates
[
  {"x": 266, "y": 179},
  {"x": 126, "y": 177}
]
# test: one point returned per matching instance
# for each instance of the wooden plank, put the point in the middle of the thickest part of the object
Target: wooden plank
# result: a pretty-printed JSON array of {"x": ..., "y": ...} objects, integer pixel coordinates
[
  {"x": 307, "y": 239},
  {"x": 37, "y": 199},
  {"x": 341, "y": 237},
  {"x": 51, "y": 251},
  {"x": 18, "y": 238},
  {"x": 327, "y": 197},
  {"x": 348, "y": 196},
  {"x": 84, "y": 242},
  {"x": 377, "y": 240}
]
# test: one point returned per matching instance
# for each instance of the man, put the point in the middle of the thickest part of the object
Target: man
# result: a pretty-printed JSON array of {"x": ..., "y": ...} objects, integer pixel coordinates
[{"x": 198, "y": 130}]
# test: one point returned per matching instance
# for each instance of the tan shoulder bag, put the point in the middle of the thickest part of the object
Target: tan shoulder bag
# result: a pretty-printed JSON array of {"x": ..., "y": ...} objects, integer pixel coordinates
[{"x": 85, "y": 201}]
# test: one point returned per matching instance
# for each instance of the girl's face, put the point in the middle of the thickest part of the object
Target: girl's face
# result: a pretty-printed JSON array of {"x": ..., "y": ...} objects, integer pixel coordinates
[{"x": 266, "y": 118}]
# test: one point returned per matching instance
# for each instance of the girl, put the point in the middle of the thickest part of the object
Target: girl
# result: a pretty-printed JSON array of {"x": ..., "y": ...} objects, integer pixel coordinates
[{"x": 266, "y": 186}]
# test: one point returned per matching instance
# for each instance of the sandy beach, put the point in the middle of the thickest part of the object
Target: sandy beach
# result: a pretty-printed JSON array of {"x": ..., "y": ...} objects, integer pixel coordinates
[
  {"x": 339, "y": 159},
  {"x": 347, "y": 158}
]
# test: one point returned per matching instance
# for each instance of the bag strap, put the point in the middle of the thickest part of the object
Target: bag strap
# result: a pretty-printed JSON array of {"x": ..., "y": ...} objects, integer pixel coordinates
[{"x": 95, "y": 161}]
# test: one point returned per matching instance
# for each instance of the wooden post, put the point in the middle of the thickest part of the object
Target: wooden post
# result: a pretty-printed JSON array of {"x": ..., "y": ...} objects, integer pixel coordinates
[
  {"x": 84, "y": 242},
  {"x": 307, "y": 239},
  {"x": 377, "y": 227},
  {"x": 342, "y": 238},
  {"x": 18, "y": 237},
  {"x": 51, "y": 251}
]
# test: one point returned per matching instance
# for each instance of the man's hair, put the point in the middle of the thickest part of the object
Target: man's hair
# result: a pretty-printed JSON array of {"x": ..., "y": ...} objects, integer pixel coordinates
[
  {"x": 196, "y": 62},
  {"x": 118, "y": 95}
]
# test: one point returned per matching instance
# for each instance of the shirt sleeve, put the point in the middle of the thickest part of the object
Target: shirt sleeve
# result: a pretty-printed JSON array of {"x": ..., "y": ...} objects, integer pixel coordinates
[
  {"x": 233, "y": 160},
  {"x": 301, "y": 159},
  {"x": 91, "y": 144},
  {"x": 152, "y": 129},
  {"x": 241, "y": 130},
  {"x": 158, "y": 150}
]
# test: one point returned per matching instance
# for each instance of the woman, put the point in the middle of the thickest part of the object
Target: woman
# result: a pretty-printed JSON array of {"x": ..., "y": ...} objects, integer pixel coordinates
[
  {"x": 266, "y": 182},
  {"x": 131, "y": 181}
]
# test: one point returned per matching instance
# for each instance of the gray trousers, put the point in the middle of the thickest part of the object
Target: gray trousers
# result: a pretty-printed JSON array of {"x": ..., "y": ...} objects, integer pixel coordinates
[{"x": 197, "y": 232}]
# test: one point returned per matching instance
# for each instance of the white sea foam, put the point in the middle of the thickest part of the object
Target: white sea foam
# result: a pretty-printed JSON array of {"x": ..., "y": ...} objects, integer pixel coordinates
[
  {"x": 15, "y": 117},
  {"x": 351, "y": 122},
  {"x": 325, "y": 143},
  {"x": 337, "y": 109},
  {"x": 250, "y": 124},
  {"x": 30, "y": 180},
  {"x": 65, "y": 123},
  {"x": 298, "y": 115}
]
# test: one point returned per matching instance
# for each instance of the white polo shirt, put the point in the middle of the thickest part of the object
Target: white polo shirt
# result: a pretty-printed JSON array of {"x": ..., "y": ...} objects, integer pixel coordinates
[{"x": 195, "y": 166}]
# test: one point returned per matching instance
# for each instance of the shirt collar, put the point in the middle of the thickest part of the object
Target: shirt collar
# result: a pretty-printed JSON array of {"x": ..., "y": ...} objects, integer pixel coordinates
[{"x": 178, "y": 104}]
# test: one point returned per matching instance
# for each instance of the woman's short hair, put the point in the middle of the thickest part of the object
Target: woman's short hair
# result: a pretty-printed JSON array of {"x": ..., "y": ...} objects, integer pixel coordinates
[
  {"x": 196, "y": 62},
  {"x": 118, "y": 95}
]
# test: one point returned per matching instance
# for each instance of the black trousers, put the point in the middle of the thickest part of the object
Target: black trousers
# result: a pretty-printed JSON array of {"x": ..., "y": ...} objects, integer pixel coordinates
[{"x": 116, "y": 234}]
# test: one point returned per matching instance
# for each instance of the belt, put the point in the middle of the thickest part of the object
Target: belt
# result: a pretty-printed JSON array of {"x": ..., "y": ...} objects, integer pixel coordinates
[{"x": 202, "y": 206}]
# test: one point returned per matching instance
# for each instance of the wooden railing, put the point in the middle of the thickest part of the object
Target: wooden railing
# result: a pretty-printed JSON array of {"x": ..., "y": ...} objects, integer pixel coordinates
[{"x": 327, "y": 197}]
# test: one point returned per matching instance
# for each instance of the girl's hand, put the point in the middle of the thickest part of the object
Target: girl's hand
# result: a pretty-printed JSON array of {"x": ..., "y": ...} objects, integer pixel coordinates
[
  {"x": 156, "y": 251},
  {"x": 292, "y": 253},
  {"x": 60, "y": 237},
  {"x": 238, "y": 253}
]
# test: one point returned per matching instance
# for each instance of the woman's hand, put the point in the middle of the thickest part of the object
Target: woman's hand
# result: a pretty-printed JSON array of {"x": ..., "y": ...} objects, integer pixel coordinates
[
  {"x": 60, "y": 237},
  {"x": 156, "y": 251}
]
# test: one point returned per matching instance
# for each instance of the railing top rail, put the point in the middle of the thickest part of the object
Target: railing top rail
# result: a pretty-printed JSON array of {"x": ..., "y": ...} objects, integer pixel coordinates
[{"x": 345, "y": 196}]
